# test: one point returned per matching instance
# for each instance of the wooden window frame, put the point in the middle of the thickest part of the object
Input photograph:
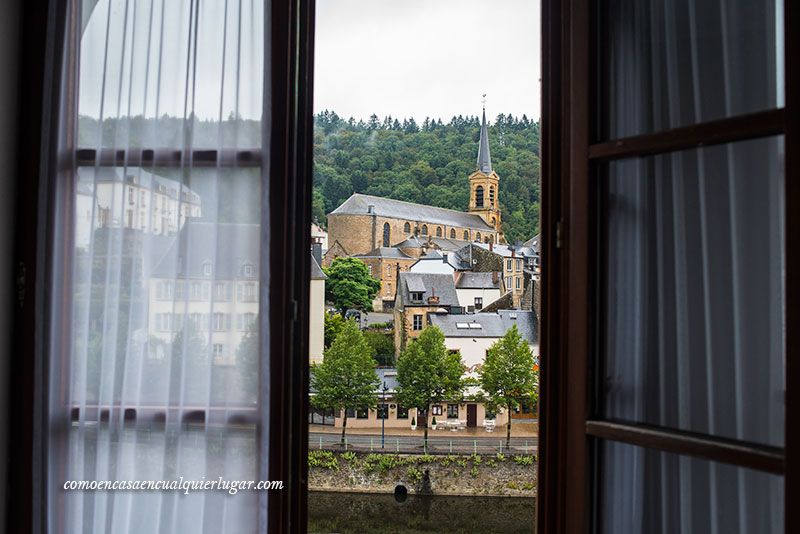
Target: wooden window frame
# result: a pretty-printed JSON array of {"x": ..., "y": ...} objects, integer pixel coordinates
[
  {"x": 289, "y": 34},
  {"x": 570, "y": 428}
]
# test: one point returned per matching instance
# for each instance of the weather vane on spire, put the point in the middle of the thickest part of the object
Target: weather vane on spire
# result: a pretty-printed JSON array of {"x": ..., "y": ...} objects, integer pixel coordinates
[{"x": 483, "y": 100}]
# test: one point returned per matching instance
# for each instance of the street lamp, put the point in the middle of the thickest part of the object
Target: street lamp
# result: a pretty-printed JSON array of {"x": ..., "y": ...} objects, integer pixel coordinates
[{"x": 384, "y": 412}]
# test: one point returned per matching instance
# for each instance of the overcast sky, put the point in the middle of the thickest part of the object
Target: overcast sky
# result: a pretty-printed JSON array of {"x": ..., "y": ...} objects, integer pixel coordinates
[{"x": 427, "y": 57}]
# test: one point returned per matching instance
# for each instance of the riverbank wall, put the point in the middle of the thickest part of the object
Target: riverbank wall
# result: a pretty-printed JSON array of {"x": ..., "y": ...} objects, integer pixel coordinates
[{"x": 464, "y": 475}]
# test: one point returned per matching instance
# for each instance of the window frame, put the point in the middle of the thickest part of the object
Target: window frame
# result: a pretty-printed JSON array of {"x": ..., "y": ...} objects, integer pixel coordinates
[
  {"x": 570, "y": 430},
  {"x": 286, "y": 176}
]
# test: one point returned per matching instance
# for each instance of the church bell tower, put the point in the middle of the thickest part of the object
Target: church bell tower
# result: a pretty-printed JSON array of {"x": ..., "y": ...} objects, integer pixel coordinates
[{"x": 484, "y": 184}]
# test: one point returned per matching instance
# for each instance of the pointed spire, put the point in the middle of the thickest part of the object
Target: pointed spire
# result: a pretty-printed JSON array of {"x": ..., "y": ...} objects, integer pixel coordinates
[{"x": 484, "y": 158}]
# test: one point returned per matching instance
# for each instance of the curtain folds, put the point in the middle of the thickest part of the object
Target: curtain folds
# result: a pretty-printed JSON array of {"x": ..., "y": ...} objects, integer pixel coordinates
[
  {"x": 693, "y": 269},
  {"x": 154, "y": 359}
]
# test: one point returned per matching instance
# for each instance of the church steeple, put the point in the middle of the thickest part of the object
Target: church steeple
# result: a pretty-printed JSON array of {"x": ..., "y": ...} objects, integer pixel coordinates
[
  {"x": 484, "y": 185},
  {"x": 484, "y": 158}
]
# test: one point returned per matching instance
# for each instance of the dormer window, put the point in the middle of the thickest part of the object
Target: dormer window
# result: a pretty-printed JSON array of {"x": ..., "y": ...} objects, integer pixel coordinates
[
  {"x": 416, "y": 296},
  {"x": 248, "y": 270},
  {"x": 206, "y": 268}
]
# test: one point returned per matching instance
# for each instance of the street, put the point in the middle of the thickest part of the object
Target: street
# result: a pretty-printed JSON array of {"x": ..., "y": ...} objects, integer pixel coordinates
[{"x": 437, "y": 443}]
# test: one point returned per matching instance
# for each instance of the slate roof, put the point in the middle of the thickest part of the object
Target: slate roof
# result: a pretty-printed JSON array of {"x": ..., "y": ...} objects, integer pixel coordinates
[
  {"x": 453, "y": 259},
  {"x": 505, "y": 250},
  {"x": 493, "y": 325},
  {"x": 484, "y": 163},
  {"x": 316, "y": 270},
  {"x": 449, "y": 245},
  {"x": 441, "y": 285},
  {"x": 470, "y": 280},
  {"x": 389, "y": 374},
  {"x": 228, "y": 246},
  {"x": 385, "y": 252},
  {"x": 533, "y": 243},
  {"x": 358, "y": 204}
]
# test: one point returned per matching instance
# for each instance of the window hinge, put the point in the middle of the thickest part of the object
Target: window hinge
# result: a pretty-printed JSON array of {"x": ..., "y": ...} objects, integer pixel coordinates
[{"x": 558, "y": 233}]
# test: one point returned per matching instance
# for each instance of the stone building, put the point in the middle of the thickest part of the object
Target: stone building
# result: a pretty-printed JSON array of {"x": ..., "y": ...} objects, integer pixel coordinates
[
  {"x": 364, "y": 223},
  {"x": 385, "y": 263},
  {"x": 418, "y": 295}
]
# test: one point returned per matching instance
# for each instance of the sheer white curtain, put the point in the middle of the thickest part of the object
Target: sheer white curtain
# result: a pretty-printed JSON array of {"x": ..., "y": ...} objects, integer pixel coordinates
[
  {"x": 693, "y": 269},
  {"x": 153, "y": 366}
]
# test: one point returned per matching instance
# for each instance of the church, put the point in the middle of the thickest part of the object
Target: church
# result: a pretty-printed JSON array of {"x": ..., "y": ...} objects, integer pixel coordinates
[{"x": 364, "y": 224}]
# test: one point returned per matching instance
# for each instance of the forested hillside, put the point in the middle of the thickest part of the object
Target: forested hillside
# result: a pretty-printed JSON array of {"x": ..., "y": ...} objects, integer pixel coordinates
[{"x": 427, "y": 163}]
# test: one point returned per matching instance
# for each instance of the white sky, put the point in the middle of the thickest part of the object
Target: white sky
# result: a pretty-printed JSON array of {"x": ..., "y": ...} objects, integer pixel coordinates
[
  {"x": 427, "y": 57},
  {"x": 389, "y": 57}
]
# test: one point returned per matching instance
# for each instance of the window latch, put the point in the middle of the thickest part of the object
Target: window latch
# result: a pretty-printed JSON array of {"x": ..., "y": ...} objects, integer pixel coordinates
[{"x": 558, "y": 233}]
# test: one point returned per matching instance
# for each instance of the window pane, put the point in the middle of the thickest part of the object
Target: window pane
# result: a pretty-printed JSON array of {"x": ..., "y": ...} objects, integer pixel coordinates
[
  {"x": 136, "y": 80},
  {"x": 647, "y": 491},
  {"x": 693, "y": 329},
  {"x": 670, "y": 63}
]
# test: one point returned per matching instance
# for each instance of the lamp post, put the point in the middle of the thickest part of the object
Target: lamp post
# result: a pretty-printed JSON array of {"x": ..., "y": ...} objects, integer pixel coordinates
[{"x": 384, "y": 412}]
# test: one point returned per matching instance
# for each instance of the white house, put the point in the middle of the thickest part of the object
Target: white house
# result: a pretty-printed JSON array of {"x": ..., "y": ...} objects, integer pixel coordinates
[
  {"x": 477, "y": 290},
  {"x": 208, "y": 276},
  {"x": 436, "y": 262},
  {"x": 136, "y": 199},
  {"x": 316, "y": 318}
]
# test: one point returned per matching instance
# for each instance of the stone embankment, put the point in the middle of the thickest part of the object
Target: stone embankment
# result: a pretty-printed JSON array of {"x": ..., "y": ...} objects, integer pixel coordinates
[{"x": 486, "y": 475}]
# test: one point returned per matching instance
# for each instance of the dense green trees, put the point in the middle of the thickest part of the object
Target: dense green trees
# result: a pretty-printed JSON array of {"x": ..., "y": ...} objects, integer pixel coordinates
[
  {"x": 349, "y": 285},
  {"x": 427, "y": 163}
]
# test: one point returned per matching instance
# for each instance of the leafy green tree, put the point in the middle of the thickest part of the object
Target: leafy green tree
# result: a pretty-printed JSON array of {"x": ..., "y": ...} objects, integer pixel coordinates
[
  {"x": 346, "y": 377},
  {"x": 383, "y": 345},
  {"x": 427, "y": 372},
  {"x": 508, "y": 375},
  {"x": 349, "y": 284},
  {"x": 333, "y": 325}
]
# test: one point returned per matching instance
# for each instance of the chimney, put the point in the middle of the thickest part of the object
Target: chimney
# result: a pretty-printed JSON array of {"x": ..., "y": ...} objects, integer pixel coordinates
[
  {"x": 444, "y": 257},
  {"x": 491, "y": 246},
  {"x": 433, "y": 299},
  {"x": 513, "y": 253},
  {"x": 495, "y": 277}
]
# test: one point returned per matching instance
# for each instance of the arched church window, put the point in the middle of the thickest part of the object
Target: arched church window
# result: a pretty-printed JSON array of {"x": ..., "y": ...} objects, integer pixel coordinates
[
  {"x": 479, "y": 196},
  {"x": 494, "y": 222},
  {"x": 478, "y": 237},
  {"x": 386, "y": 234},
  {"x": 438, "y": 231},
  {"x": 424, "y": 229},
  {"x": 466, "y": 235},
  {"x": 486, "y": 240},
  {"x": 491, "y": 239},
  {"x": 407, "y": 228},
  {"x": 452, "y": 233},
  {"x": 491, "y": 195}
]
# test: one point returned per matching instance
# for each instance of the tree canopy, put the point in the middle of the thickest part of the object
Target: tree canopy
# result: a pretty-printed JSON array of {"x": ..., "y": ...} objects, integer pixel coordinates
[
  {"x": 508, "y": 375},
  {"x": 427, "y": 372},
  {"x": 346, "y": 377},
  {"x": 427, "y": 163},
  {"x": 349, "y": 285}
]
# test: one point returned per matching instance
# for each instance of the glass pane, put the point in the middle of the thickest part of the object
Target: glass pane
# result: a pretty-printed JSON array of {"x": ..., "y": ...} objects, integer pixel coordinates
[
  {"x": 693, "y": 329},
  {"x": 670, "y": 63},
  {"x": 647, "y": 491},
  {"x": 171, "y": 73}
]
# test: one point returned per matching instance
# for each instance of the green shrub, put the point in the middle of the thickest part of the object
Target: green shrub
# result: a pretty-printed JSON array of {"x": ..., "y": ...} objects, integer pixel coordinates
[
  {"x": 476, "y": 459},
  {"x": 491, "y": 462},
  {"x": 447, "y": 460},
  {"x": 501, "y": 457},
  {"x": 425, "y": 459},
  {"x": 528, "y": 486},
  {"x": 350, "y": 457},
  {"x": 414, "y": 474},
  {"x": 324, "y": 459},
  {"x": 512, "y": 485},
  {"x": 523, "y": 460},
  {"x": 473, "y": 472}
]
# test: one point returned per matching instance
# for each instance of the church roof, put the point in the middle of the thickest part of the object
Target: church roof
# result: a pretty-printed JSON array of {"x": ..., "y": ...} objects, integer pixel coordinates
[
  {"x": 385, "y": 252},
  {"x": 359, "y": 204},
  {"x": 484, "y": 158}
]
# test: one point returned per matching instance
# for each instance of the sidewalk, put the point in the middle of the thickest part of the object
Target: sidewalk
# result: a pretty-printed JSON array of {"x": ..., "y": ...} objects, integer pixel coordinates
[{"x": 518, "y": 430}]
